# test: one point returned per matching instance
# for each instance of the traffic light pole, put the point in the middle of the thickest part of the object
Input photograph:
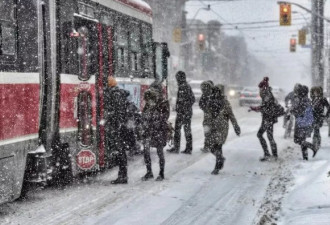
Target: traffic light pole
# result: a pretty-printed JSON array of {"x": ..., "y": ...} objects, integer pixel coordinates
[{"x": 317, "y": 28}]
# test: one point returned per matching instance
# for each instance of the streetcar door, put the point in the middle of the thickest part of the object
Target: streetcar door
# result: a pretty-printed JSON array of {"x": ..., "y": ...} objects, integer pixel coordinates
[{"x": 86, "y": 36}]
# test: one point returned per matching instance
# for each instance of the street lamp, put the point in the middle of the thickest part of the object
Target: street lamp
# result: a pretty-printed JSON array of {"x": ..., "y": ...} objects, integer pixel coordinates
[{"x": 208, "y": 8}]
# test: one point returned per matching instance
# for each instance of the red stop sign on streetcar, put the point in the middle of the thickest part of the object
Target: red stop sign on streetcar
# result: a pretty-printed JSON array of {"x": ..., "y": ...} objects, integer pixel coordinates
[{"x": 86, "y": 159}]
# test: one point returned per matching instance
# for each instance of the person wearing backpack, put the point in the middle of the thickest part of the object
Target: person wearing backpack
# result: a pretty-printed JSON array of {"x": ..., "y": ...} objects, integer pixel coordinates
[
  {"x": 303, "y": 111},
  {"x": 269, "y": 109},
  {"x": 319, "y": 103},
  {"x": 184, "y": 103}
]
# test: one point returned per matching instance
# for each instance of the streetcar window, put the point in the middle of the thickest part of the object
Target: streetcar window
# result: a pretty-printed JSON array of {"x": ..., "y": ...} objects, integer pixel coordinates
[
  {"x": 135, "y": 47},
  {"x": 8, "y": 37},
  {"x": 134, "y": 61},
  {"x": 86, "y": 10},
  {"x": 120, "y": 58},
  {"x": 8, "y": 40},
  {"x": 83, "y": 54},
  {"x": 7, "y": 10},
  {"x": 107, "y": 19},
  {"x": 121, "y": 62},
  {"x": 147, "y": 52},
  {"x": 85, "y": 118}
]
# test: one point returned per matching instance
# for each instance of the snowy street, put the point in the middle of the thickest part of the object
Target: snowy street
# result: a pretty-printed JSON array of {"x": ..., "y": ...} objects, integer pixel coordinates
[{"x": 245, "y": 192}]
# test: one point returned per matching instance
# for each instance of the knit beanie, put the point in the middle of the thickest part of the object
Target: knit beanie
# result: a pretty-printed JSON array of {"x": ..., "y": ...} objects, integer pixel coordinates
[{"x": 264, "y": 83}]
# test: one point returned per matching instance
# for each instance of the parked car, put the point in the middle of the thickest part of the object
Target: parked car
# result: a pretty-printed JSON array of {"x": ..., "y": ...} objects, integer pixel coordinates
[
  {"x": 196, "y": 88},
  {"x": 250, "y": 96}
]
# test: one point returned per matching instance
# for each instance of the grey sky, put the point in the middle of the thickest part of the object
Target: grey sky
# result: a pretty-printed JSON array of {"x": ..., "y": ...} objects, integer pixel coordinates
[{"x": 270, "y": 45}]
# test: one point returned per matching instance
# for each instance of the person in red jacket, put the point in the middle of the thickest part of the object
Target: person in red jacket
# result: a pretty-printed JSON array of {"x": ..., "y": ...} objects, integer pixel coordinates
[{"x": 268, "y": 119}]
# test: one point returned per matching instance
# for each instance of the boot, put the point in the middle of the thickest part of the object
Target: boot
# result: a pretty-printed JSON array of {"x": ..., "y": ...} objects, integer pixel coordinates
[
  {"x": 265, "y": 158},
  {"x": 120, "y": 180},
  {"x": 161, "y": 175},
  {"x": 148, "y": 175},
  {"x": 187, "y": 151},
  {"x": 205, "y": 150},
  {"x": 173, "y": 150},
  {"x": 218, "y": 166},
  {"x": 315, "y": 150}
]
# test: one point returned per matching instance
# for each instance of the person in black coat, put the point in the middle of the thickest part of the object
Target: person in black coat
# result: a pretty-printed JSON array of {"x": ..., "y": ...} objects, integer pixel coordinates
[
  {"x": 184, "y": 103},
  {"x": 207, "y": 93},
  {"x": 155, "y": 130},
  {"x": 301, "y": 131},
  {"x": 116, "y": 105},
  {"x": 266, "y": 108},
  {"x": 319, "y": 103}
]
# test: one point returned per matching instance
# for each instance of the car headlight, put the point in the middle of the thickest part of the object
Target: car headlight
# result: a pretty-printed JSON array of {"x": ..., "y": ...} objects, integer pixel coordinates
[{"x": 232, "y": 93}]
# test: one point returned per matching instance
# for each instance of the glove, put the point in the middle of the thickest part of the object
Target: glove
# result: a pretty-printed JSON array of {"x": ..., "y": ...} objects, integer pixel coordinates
[{"x": 237, "y": 130}]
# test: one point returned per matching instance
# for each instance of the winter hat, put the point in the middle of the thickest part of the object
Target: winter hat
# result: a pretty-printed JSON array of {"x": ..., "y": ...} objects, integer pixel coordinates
[
  {"x": 180, "y": 76},
  {"x": 264, "y": 83},
  {"x": 206, "y": 86},
  {"x": 112, "y": 81},
  {"x": 304, "y": 91}
]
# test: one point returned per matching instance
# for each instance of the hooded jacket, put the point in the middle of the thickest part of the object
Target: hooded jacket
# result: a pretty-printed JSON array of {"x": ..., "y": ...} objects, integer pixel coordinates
[
  {"x": 154, "y": 118},
  {"x": 185, "y": 97}
]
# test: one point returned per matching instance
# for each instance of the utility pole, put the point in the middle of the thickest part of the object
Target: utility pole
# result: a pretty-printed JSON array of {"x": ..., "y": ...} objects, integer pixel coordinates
[{"x": 317, "y": 43}]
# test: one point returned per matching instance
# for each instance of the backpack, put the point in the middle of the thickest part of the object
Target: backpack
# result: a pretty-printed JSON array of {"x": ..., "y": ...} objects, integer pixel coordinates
[
  {"x": 278, "y": 110},
  {"x": 307, "y": 119}
]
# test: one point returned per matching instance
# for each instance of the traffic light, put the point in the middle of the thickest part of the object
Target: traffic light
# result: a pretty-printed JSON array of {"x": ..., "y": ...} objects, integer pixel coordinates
[
  {"x": 293, "y": 44},
  {"x": 177, "y": 35},
  {"x": 201, "y": 42},
  {"x": 285, "y": 14},
  {"x": 302, "y": 37}
]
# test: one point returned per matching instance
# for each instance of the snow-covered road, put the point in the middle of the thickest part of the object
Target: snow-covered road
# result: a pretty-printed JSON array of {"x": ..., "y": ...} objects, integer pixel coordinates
[{"x": 245, "y": 192}]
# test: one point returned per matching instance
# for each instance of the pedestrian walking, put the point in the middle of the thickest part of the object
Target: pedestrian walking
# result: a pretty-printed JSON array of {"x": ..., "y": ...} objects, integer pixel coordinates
[
  {"x": 155, "y": 129},
  {"x": 116, "y": 105},
  {"x": 303, "y": 111},
  {"x": 288, "y": 118},
  {"x": 184, "y": 103},
  {"x": 270, "y": 111},
  {"x": 319, "y": 103},
  {"x": 221, "y": 112},
  {"x": 207, "y": 91}
]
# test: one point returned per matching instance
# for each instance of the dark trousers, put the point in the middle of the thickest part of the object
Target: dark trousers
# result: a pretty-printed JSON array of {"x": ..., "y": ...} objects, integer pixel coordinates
[
  {"x": 117, "y": 148},
  {"x": 185, "y": 121},
  {"x": 147, "y": 158},
  {"x": 216, "y": 150},
  {"x": 300, "y": 139},
  {"x": 267, "y": 126},
  {"x": 317, "y": 136}
]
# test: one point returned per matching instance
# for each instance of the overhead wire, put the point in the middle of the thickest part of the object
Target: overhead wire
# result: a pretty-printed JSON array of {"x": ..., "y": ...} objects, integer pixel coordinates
[{"x": 242, "y": 32}]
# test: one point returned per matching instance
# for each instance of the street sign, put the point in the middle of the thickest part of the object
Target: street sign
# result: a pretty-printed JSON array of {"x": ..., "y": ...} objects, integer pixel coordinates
[
  {"x": 86, "y": 159},
  {"x": 177, "y": 35}
]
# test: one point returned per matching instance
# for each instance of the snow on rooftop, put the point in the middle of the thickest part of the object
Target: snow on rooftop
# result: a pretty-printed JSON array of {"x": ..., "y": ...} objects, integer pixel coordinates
[{"x": 142, "y": 3}]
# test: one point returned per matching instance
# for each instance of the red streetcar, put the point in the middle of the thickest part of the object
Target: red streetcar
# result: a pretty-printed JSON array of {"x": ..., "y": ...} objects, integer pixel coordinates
[{"x": 55, "y": 59}]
